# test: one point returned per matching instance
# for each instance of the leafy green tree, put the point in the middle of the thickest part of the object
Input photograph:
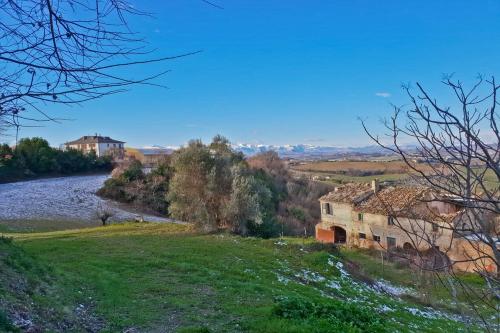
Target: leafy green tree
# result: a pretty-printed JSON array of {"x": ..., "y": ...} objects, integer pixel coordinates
[
  {"x": 250, "y": 210},
  {"x": 36, "y": 155},
  {"x": 187, "y": 194},
  {"x": 213, "y": 187},
  {"x": 72, "y": 160}
]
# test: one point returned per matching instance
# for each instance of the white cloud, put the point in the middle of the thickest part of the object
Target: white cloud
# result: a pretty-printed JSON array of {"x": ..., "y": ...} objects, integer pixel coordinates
[{"x": 383, "y": 94}]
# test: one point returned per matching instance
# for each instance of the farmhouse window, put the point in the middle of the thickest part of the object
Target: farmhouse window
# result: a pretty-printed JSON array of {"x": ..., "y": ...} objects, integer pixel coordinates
[
  {"x": 391, "y": 242},
  {"x": 360, "y": 217},
  {"x": 390, "y": 220},
  {"x": 327, "y": 209},
  {"x": 435, "y": 227},
  {"x": 362, "y": 235},
  {"x": 376, "y": 238}
]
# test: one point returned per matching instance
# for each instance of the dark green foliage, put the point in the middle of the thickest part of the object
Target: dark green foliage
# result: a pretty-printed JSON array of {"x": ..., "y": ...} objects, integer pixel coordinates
[
  {"x": 114, "y": 189},
  {"x": 5, "y": 240},
  {"x": 34, "y": 157},
  {"x": 295, "y": 201},
  {"x": 267, "y": 229},
  {"x": 147, "y": 191},
  {"x": 133, "y": 172},
  {"x": 341, "y": 316},
  {"x": 298, "y": 213},
  {"x": 5, "y": 325}
]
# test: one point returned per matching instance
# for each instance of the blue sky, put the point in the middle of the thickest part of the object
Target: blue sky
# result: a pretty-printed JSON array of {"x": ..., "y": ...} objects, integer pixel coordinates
[{"x": 287, "y": 72}]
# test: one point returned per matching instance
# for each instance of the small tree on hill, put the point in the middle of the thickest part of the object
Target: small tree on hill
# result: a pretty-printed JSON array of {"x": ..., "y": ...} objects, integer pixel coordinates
[{"x": 104, "y": 213}]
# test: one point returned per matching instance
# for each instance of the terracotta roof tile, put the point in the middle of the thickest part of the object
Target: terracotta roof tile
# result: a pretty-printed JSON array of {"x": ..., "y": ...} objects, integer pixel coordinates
[
  {"x": 404, "y": 201},
  {"x": 393, "y": 198},
  {"x": 400, "y": 201},
  {"x": 349, "y": 193}
]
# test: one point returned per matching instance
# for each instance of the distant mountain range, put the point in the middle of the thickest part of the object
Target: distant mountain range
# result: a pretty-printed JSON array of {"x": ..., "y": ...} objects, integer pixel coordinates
[
  {"x": 300, "y": 150},
  {"x": 304, "y": 150}
]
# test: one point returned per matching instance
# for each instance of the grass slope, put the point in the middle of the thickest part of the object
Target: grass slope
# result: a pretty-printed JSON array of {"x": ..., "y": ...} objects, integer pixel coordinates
[{"x": 166, "y": 278}]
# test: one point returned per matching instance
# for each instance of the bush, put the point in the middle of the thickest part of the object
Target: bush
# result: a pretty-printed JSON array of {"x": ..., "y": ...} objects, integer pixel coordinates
[
  {"x": 113, "y": 189},
  {"x": 129, "y": 184},
  {"x": 295, "y": 201},
  {"x": 343, "y": 316},
  {"x": 133, "y": 172}
]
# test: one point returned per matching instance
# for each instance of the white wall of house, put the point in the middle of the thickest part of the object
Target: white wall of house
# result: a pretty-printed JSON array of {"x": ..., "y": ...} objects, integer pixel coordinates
[{"x": 100, "y": 148}]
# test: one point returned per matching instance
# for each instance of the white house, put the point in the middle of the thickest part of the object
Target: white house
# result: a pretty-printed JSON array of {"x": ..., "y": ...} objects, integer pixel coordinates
[{"x": 102, "y": 145}]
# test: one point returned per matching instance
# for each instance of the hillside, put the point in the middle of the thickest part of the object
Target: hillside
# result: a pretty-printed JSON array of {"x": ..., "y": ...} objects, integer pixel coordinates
[{"x": 167, "y": 278}]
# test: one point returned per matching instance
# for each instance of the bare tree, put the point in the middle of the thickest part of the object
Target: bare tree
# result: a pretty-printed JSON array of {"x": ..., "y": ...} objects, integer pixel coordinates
[
  {"x": 103, "y": 213},
  {"x": 65, "y": 52},
  {"x": 457, "y": 157}
]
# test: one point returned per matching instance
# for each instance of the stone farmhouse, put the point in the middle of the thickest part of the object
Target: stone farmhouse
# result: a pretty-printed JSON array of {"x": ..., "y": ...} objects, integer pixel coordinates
[
  {"x": 101, "y": 145},
  {"x": 150, "y": 156},
  {"x": 404, "y": 217}
]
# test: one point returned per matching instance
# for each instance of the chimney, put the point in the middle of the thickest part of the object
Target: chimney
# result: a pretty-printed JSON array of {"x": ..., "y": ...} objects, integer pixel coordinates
[{"x": 375, "y": 185}]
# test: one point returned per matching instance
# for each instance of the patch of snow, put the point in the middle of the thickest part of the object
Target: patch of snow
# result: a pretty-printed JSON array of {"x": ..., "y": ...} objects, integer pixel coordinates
[
  {"x": 331, "y": 262},
  {"x": 309, "y": 276},
  {"x": 384, "y": 308},
  {"x": 339, "y": 266},
  {"x": 385, "y": 286},
  {"x": 431, "y": 313},
  {"x": 282, "y": 279},
  {"x": 333, "y": 285}
]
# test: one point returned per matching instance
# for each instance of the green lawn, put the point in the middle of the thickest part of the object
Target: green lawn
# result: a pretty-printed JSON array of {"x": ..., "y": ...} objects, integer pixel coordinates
[
  {"x": 167, "y": 278},
  {"x": 10, "y": 226}
]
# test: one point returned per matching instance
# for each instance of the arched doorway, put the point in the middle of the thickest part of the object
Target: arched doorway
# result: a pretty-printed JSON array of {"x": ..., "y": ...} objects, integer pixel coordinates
[
  {"x": 407, "y": 246},
  {"x": 409, "y": 249},
  {"x": 339, "y": 235}
]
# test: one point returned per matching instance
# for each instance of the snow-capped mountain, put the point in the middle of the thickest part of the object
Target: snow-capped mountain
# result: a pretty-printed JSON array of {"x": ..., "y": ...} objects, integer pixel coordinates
[
  {"x": 304, "y": 150},
  {"x": 296, "y": 151}
]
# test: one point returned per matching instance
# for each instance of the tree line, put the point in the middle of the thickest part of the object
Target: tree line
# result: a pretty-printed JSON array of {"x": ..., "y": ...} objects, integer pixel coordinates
[
  {"x": 34, "y": 157},
  {"x": 215, "y": 187}
]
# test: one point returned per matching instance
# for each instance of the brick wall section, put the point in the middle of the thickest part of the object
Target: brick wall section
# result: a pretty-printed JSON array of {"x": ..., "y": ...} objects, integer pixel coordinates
[{"x": 324, "y": 235}]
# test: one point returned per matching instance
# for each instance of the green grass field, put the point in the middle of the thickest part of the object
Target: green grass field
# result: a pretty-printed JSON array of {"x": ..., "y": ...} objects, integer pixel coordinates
[
  {"x": 167, "y": 278},
  {"x": 323, "y": 170}
]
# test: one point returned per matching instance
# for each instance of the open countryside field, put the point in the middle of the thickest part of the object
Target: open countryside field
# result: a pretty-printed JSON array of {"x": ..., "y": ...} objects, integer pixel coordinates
[
  {"x": 354, "y": 171},
  {"x": 168, "y": 278},
  {"x": 338, "y": 166},
  {"x": 365, "y": 171}
]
